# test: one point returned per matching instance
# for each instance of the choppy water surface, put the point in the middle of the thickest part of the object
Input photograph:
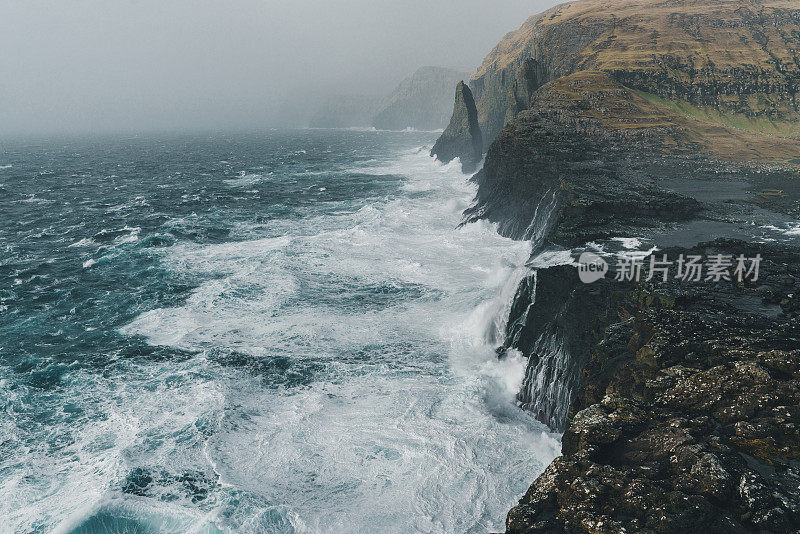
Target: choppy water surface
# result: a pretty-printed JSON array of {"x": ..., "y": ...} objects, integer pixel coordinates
[{"x": 275, "y": 333}]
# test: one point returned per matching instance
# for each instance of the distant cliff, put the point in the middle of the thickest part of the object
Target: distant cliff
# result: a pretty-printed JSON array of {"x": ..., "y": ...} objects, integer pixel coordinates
[{"x": 423, "y": 101}]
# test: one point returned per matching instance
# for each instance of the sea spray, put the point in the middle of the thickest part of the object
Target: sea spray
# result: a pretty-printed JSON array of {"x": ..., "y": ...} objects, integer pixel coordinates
[{"x": 312, "y": 351}]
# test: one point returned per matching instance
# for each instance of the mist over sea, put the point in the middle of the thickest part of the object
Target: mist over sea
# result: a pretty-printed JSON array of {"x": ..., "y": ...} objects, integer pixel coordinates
[{"x": 255, "y": 333}]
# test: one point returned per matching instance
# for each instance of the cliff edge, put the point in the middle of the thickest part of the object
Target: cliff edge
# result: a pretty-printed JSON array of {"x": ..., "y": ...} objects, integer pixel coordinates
[
  {"x": 638, "y": 128},
  {"x": 688, "y": 413},
  {"x": 737, "y": 56}
]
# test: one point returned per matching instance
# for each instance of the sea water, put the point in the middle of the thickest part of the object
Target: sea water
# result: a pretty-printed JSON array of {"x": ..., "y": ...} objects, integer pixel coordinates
[{"x": 283, "y": 332}]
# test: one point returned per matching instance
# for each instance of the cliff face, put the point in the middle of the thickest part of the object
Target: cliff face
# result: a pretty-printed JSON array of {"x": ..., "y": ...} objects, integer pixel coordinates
[
  {"x": 688, "y": 415},
  {"x": 737, "y": 56},
  {"x": 675, "y": 123},
  {"x": 598, "y": 153},
  {"x": 422, "y": 101},
  {"x": 462, "y": 137}
]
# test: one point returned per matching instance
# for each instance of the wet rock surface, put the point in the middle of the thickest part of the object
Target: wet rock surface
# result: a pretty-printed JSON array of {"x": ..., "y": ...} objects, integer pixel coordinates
[
  {"x": 688, "y": 411},
  {"x": 553, "y": 321},
  {"x": 673, "y": 123}
]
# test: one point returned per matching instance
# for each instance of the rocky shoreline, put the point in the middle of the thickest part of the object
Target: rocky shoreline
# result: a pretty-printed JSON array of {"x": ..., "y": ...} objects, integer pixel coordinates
[
  {"x": 671, "y": 125},
  {"x": 688, "y": 410}
]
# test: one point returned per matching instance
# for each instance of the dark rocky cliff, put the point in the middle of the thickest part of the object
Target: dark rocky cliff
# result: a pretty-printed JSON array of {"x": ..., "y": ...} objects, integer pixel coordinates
[
  {"x": 673, "y": 122},
  {"x": 601, "y": 152},
  {"x": 688, "y": 411}
]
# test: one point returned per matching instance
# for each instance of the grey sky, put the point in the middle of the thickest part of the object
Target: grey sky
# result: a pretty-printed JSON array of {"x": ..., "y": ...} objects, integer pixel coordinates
[{"x": 135, "y": 65}]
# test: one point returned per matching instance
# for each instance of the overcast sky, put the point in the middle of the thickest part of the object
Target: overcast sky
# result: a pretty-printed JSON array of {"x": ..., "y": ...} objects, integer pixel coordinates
[{"x": 138, "y": 65}]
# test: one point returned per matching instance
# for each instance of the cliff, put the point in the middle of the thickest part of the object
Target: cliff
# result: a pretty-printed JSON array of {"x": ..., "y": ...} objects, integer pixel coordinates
[
  {"x": 674, "y": 123},
  {"x": 733, "y": 55},
  {"x": 422, "y": 101},
  {"x": 600, "y": 152},
  {"x": 689, "y": 409}
]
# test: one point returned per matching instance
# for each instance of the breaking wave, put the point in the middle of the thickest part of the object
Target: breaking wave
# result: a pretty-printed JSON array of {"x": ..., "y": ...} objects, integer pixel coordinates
[
  {"x": 409, "y": 418},
  {"x": 330, "y": 369}
]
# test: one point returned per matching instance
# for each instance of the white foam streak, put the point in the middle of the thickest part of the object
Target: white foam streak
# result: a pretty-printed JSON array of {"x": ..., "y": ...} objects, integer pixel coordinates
[{"x": 790, "y": 229}]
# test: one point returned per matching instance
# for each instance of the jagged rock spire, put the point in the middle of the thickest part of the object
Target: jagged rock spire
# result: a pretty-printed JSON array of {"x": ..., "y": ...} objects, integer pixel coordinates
[{"x": 462, "y": 139}]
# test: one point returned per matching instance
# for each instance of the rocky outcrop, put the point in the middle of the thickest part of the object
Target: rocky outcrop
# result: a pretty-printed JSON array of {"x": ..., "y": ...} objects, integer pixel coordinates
[
  {"x": 553, "y": 321},
  {"x": 462, "y": 138},
  {"x": 423, "y": 101},
  {"x": 733, "y": 55},
  {"x": 688, "y": 415},
  {"x": 674, "y": 123}
]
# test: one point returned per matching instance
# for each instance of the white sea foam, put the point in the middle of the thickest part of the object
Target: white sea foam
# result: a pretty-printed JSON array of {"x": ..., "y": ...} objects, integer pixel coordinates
[
  {"x": 244, "y": 179},
  {"x": 548, "y": 258},
  {"x": 632, "y": 247},
  {"x": 85, "y": 242},
  {"x": 131, "y": 236},
  {"x": 141, "y": 417},
  {"x": 409, "y": 422},
  {"x": 790, "y": 229},
  {"x": 33, "y": 199},
  {"x": 630, "y": 243}
]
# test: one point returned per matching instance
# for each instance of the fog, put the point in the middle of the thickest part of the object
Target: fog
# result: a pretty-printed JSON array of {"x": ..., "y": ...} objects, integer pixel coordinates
[{"x": 139, "y": 65}]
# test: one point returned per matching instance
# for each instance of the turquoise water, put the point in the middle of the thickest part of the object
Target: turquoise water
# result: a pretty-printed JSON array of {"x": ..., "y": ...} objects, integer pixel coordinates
[{"x": 268, "y": 333}]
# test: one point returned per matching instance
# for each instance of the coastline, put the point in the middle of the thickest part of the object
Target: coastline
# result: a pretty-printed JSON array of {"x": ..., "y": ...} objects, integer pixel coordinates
[{"x": 678, "y": 401}]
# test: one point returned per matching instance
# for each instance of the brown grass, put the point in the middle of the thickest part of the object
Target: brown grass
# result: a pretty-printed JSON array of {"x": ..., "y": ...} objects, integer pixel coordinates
[
  {"x": 702, "y": 31},
  {"x": 617, "y": 107}
]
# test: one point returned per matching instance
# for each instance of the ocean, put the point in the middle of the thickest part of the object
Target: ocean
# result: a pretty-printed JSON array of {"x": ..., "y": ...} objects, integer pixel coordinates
[{"x": 276, "y": 332}]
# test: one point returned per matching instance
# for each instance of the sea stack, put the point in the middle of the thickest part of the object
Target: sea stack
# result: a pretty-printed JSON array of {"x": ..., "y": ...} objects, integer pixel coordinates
[{"x": 462, "y": 139}]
